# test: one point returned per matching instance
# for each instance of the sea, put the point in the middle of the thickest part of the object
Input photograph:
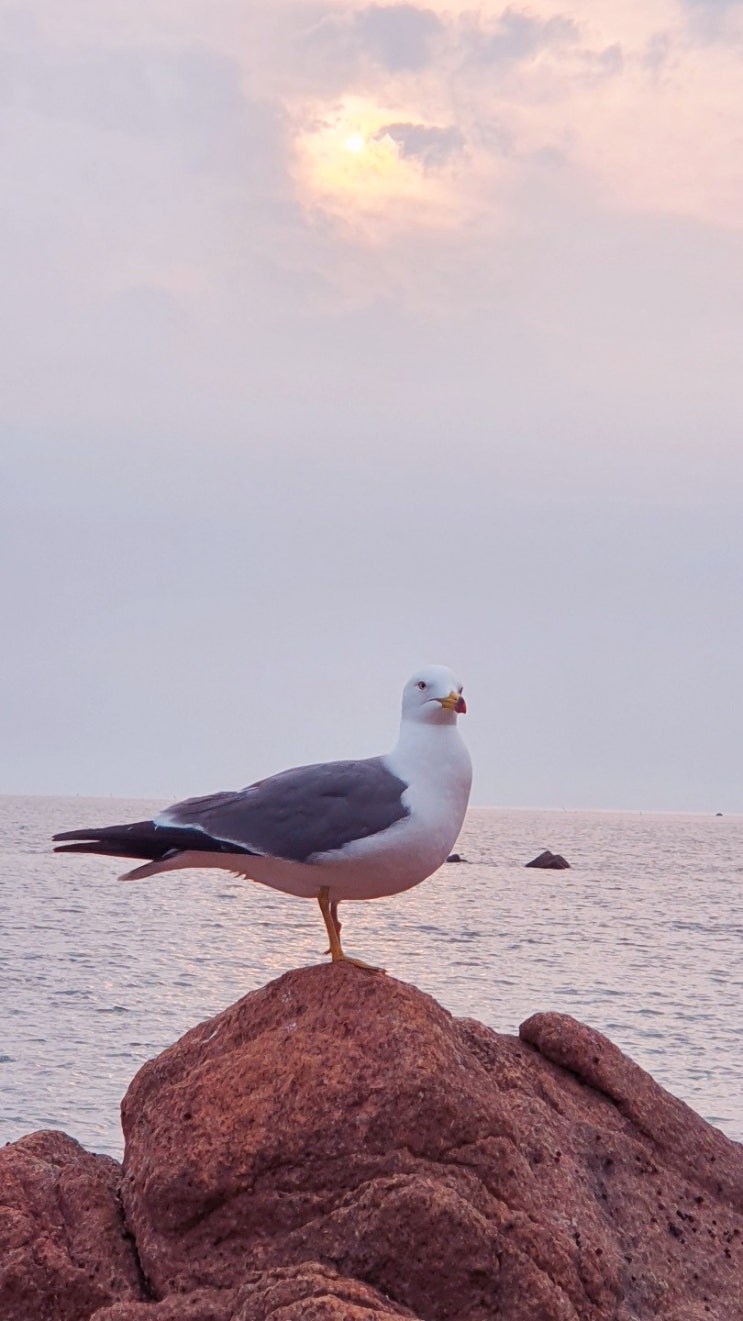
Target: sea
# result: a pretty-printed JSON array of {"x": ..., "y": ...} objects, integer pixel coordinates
[{"x": 641, "y": 939}]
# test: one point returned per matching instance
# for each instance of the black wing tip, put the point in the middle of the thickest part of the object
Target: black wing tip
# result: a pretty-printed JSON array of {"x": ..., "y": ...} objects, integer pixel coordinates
[
  {"x": 132, "y": 829},
  {"x": 144, "y": 839}
]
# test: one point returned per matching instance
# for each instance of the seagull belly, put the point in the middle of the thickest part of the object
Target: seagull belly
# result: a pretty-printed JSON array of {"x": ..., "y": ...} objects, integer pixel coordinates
[
  {"x": 390, "y": 862},
  {"x": 387, "y": 863}
]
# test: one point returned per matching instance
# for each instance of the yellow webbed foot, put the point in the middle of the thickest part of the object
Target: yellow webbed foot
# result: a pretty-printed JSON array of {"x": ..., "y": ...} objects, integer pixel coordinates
[
  {"x": 329, "y": 910},
  {"x": 359, "y": 963}
]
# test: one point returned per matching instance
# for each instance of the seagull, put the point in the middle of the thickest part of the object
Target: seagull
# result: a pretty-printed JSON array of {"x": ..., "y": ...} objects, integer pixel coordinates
[{"x": 335, "y": 831}]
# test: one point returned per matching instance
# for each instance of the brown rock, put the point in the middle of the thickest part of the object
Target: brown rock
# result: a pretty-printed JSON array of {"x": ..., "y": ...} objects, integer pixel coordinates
[
  {"x": 64, "y": 1251},
  {"x": 693, "y": 1147},
  {"x": 309, "y": 1292},
  {"x": 201, "y": 1305},
  {"x": 549, "y": 861},
  {"x": 341, "y": 1117}
]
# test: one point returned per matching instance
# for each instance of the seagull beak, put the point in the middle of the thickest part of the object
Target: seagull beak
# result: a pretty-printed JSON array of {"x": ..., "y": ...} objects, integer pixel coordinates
[{"x": 454, "y": 702}]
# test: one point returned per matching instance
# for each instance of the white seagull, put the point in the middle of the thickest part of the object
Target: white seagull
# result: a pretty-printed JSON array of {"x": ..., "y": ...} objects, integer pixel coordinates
[{"x": 334, "y": 831}]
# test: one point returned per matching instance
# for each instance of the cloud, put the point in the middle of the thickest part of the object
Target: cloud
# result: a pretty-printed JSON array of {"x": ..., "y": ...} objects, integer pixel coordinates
[
  {"x": 711, "y": 21},
  {"x": 189, "y": 93},
  {"x": 187, "y": 99},
  {"x": 518, "y": 35},
  {"x": 430, "y": 145},
  {"x": 657, "y": 51},
  {"x": 335, "y": 47},
  {"x": 400, "y": 37}
]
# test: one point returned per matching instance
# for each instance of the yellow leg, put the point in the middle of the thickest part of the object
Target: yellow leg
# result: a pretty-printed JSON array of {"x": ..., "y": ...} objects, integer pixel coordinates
[{"x": 332, "y": 926}]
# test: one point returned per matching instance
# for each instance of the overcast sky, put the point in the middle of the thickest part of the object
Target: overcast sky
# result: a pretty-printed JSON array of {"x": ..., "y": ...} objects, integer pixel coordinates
[{"x": 341, "y": 338}]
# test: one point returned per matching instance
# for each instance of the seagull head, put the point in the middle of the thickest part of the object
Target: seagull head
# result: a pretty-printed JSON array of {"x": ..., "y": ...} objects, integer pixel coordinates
[{"x": 433, "y": 695}]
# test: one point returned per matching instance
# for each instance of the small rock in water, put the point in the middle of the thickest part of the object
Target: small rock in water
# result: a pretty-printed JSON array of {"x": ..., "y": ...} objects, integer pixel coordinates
[{"x": 552, "y": 861}]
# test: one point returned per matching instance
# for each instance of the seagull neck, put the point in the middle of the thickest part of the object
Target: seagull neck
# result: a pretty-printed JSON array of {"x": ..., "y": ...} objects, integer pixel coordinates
[{"x": 425, "y": 739}]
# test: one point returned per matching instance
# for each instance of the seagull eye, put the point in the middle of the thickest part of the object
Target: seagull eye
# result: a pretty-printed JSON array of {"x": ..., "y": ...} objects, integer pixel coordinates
[{"x": 421, "y": 685}]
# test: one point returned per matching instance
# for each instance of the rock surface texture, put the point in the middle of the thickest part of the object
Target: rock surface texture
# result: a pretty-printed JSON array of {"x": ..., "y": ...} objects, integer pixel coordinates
[
  {"x": 336, "y": 1147},
  {"x": 309, "y": 1292},
  {"x": 64, "y": 1249}
]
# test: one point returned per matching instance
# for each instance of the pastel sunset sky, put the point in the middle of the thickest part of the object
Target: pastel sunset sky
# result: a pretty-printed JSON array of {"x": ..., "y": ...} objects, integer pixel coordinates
[{"x": 341, "y": 338}]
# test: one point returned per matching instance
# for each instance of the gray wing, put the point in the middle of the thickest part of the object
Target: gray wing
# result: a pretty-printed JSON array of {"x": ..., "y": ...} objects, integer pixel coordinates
[{"x": 301, "y": 812}]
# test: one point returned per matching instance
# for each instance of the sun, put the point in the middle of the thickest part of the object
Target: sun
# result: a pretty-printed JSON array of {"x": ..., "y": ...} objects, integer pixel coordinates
[
  {"x": 348, "y": 163},
  {"x": 346, "y": 158}
]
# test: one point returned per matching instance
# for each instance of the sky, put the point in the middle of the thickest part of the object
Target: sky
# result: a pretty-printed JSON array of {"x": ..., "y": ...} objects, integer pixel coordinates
[{"x": 341, "y": 338}]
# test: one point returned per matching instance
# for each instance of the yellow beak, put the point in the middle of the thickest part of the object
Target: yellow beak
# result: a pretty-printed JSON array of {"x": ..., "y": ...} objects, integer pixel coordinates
[{"x": 454, "y": 702}]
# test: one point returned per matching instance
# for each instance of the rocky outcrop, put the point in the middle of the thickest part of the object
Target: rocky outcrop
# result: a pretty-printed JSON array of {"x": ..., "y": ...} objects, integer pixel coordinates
[
  {"x": 347, "y": 1119},
  {"x": 64, "y": 1248},
  {"x": 336, "y": 1147},
  {"x": 549, "y": 861}
]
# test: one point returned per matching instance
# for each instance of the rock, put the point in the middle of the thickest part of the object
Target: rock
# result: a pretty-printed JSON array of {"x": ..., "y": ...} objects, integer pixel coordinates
[
  {"x": 553, "y": 861},
  {"x": 337, "y": 1140},
  {"x": 64, "y": 1250},
  {"x": 693, "y": 1147},
  {"x": 309, "y": 1292},
  {"x": 201, "y": 1305},
  {"x": 312, "y": 1292},
  {"x": 456, "y": 857}
]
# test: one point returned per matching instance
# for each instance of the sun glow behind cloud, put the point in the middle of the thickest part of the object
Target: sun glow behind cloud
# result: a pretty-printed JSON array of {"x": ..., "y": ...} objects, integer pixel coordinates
[
  {"x": 354, "y": 163},
  {"x": 643, "y": 109}
]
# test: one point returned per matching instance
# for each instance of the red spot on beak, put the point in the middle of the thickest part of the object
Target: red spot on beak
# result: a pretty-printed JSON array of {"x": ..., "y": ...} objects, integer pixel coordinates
[{"x": 461, "y": 707}]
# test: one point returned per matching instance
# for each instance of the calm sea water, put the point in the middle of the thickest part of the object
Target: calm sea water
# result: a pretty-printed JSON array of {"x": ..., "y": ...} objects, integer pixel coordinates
[{"x": 641, "y": 939}]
